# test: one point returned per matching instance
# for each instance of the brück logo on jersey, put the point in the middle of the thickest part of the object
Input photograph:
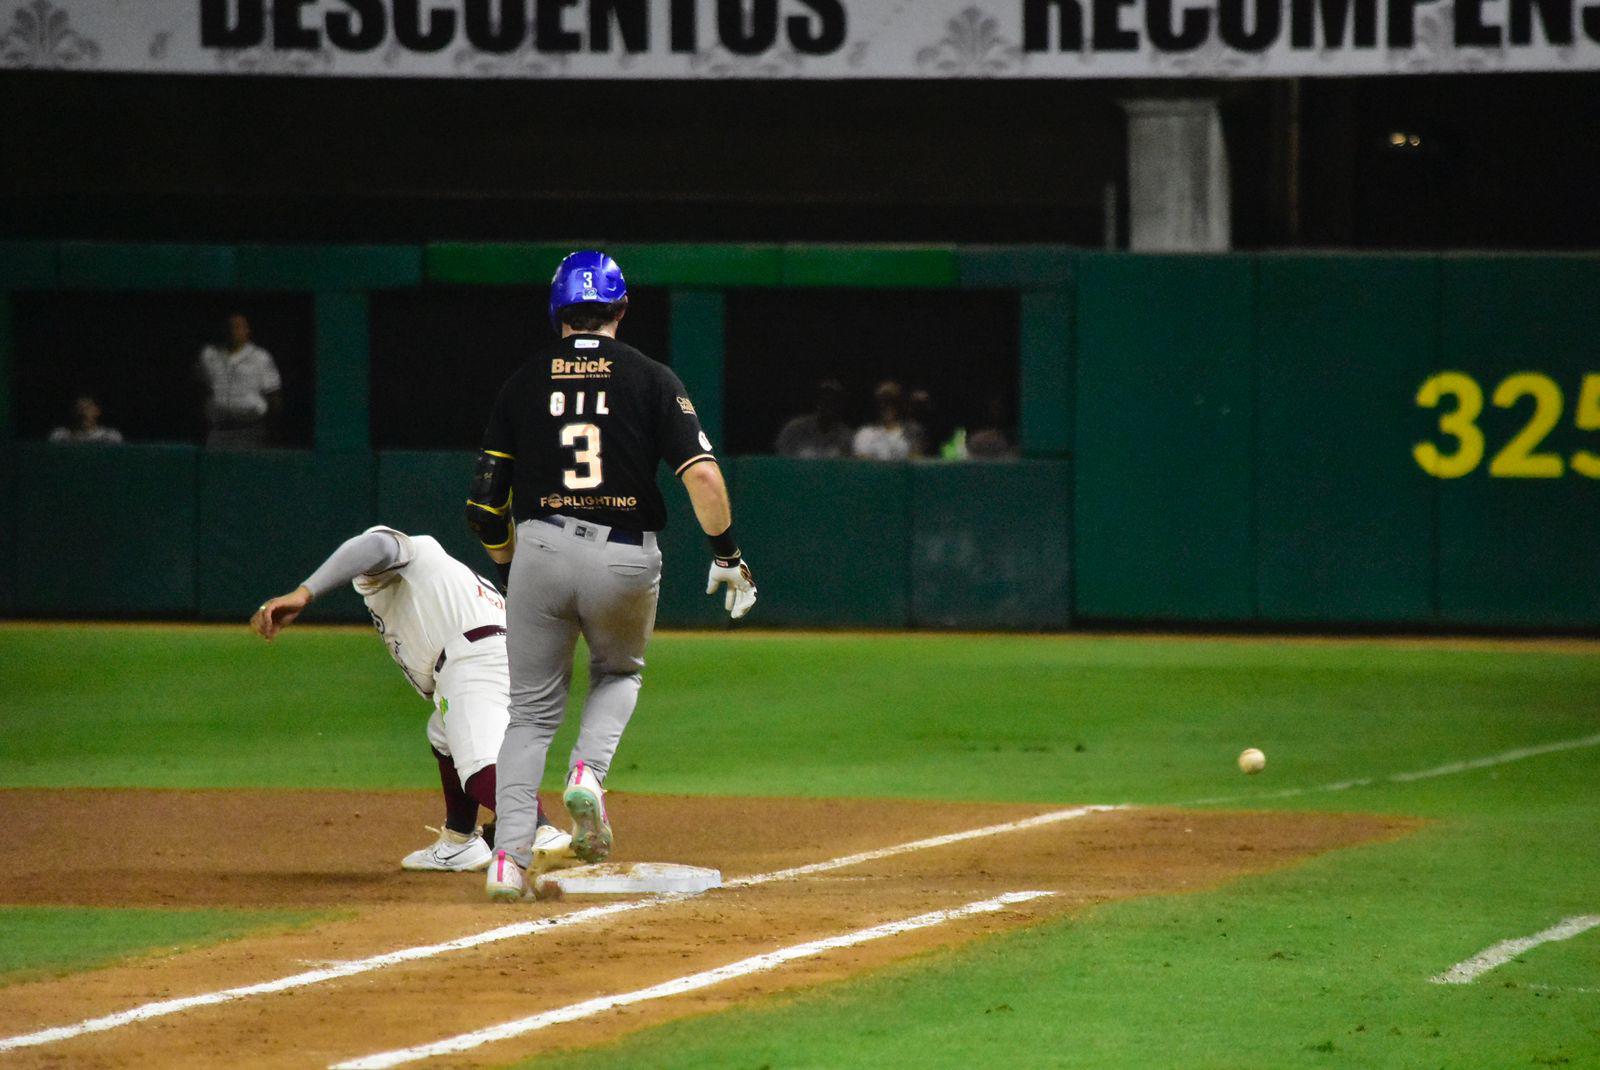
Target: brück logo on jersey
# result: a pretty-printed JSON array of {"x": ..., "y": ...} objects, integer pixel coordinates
[{"x": 580, "y": 369}]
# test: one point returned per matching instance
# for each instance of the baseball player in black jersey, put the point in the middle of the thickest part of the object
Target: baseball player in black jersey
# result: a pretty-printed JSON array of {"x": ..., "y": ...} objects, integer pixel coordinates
[{"x": 565, "y": 497}]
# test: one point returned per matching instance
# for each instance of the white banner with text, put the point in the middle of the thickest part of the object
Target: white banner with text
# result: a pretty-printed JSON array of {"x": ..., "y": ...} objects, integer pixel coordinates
[{"x": 677, "y": 39}]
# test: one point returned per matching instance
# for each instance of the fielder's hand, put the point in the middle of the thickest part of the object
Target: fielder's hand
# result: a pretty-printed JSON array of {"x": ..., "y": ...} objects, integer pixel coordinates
[
  {"x": 278, "y": 613},
  {"x": 741, "y": 593}
]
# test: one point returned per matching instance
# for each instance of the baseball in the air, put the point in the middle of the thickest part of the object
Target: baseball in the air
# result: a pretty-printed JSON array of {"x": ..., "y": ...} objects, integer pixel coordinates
[{"x": 1252, "y": 761}]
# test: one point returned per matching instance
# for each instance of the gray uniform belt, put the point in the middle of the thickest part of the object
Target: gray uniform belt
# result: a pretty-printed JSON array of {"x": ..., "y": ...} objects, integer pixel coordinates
[
  {"x": 472, "y": 635},
  {"x": 632, "y": 538}
]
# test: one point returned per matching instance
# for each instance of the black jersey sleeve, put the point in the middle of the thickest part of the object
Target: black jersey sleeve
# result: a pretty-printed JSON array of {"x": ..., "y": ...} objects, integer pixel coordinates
[{"x": 683, "y": 443}]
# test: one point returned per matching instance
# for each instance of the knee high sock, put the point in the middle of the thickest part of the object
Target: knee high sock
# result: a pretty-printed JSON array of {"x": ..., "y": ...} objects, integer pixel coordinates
[
  {"x": 479, "y": 791},
  {"x": 460, "y": 808},
  {"x": 480, "y": 786}
]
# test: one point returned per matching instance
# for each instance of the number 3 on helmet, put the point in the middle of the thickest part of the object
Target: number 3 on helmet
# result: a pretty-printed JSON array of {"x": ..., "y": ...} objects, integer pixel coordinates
[{"x": 588, "y": 276}]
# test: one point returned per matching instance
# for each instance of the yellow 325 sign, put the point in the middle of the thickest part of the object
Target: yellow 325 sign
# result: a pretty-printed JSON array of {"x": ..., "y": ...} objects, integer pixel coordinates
[{"x": 1520, "y": 458}]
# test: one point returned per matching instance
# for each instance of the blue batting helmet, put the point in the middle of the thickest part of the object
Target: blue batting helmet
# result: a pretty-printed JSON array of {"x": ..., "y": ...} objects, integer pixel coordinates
[{"x": 585, "y": 277}]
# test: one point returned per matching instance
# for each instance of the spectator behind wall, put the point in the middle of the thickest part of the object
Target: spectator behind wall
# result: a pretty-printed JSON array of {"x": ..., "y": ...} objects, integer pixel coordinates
[
  {"x": 85, "y": 426},
  {"x": 244, "y": 390},
  {"x": 818, "y": 434},
  {"x": 885, "y": 440},
  {"x": 990, "y": 441},
  {"x": 921, "y": 417}
]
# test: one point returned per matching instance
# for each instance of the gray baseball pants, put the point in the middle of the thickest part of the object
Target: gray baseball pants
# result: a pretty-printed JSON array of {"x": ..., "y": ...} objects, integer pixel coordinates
[{"x": 565, "y": 581}]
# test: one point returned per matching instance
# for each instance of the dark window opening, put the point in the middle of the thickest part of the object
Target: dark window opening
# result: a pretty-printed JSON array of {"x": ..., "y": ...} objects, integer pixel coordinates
[
  {"x": 961, "y": 347},
  {"x": 136, "y": 354}
]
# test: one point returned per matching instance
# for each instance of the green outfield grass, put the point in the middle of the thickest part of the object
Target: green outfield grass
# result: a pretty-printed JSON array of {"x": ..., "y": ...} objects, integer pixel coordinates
[
  {"x": 1324, "y": 964},
  {"x": 40, "y": 941},
  {"x": 963, "y": 717}
]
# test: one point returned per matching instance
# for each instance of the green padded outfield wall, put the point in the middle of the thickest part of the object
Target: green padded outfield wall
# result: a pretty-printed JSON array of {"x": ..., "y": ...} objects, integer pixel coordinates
[
  {"x": 1162, "y": 518},
  {"x": 268, "y": 518},
  {"x": 829, "y": 540},
  {"x": 8, "y": 536},
  {"x": 424, "y": 492},
  {"x": 106, "y": 530},
  {"x": 1324, "y": 440},
  {"x": 989, "y": 545},
  {"x": 1345, "y": 517},
  {"x": 8, "y": 509},
  {"x": 1519, "y": 530}
]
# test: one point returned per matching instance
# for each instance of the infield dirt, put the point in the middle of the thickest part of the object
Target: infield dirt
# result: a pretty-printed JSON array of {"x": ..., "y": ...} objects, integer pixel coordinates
[{"x": 341, "y": 850}]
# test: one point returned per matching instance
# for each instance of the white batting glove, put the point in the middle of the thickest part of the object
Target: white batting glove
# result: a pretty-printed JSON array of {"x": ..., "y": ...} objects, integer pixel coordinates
[{"x": 741, "y": 593}]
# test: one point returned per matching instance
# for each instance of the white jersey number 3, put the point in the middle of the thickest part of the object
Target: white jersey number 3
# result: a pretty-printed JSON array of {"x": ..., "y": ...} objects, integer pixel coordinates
[{"x": 585, "y": 474}]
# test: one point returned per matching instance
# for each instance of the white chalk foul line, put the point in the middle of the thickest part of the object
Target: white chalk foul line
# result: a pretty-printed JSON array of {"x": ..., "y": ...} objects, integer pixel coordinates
[
  {"x": 161, "y": 1008},
  {"x": 705, "y": 979},
  {"x": 1498, "y": 759},
  {"x": 1449, "y": 769},
  {"x": 164, "y": 1007},
  {"x": 918, "y": 845},
  {"x": 1469, "y": 970}
]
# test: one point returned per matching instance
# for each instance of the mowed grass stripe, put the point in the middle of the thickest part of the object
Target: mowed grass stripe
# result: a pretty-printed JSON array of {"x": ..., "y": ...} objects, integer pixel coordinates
[
  {"x": 995, "y": 718},
  {"x": 48, "y": 941}
]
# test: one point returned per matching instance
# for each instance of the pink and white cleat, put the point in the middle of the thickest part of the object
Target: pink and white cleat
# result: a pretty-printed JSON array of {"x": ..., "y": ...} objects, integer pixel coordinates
[
  {"x": 586, "y": 802},
  {"x": 505, "y": 882}
]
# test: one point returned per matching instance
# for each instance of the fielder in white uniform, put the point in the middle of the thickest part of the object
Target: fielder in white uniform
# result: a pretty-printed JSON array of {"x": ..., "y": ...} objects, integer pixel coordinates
[{"x": 445, "y": 627}]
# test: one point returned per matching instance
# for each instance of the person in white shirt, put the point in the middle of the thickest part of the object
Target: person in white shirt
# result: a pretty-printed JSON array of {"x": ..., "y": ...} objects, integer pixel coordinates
[
  {"x": 445, "y": 627},
  {"x": 886, "y": 440},
  {"x": 244, "y": 390},
  {"x": 86, "y": 426}
]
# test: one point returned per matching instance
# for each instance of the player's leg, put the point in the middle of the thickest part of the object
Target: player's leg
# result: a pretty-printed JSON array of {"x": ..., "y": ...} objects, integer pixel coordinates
[
  {"x": 541, "y": 632},
  {"x": 618, "y": 615},
  {"x": 460, "y": 808},
  {"x": 459, "y": 847},
  {"x": 473, "y": 690},
  {"x": 473, "y": 693},
  {"x": 617, "y": 608}
]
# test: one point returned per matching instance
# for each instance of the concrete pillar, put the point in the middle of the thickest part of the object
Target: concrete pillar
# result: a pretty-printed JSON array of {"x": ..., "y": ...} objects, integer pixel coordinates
[
  {"x": 1045, "y": 425},
  {"x": 5, "y": 369},
  {"x": 343, "y": 394},
  {"x": 696, "y": 337},
  {"x": 1178, "y": 186}
]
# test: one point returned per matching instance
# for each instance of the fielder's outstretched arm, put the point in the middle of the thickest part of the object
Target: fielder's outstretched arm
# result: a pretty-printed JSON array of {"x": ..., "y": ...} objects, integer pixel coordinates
[
  {"x": 708, "y": 492},
  {"x": 365, "y": 554}
]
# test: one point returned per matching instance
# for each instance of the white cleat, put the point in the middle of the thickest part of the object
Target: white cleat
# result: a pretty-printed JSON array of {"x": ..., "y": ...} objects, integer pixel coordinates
[
  {"x": 552, "y": 849},
  {"x": 586, "y": 802},
  {"x": 505, "y": 882},
  {"x": 452, "y": 852}
]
